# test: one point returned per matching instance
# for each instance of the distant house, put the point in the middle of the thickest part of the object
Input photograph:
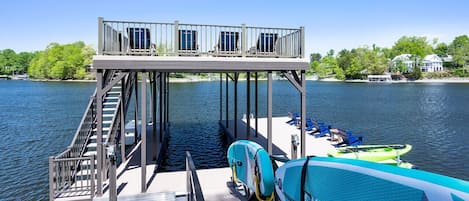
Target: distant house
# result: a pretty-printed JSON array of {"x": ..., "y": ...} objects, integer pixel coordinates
[
  {"x": 405, "y": 59},
  {"x": 432, "y": 63}
]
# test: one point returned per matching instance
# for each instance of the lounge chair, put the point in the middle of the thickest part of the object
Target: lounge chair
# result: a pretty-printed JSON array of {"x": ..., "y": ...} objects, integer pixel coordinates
[
  {"x": 187, "y": 42},
  {"x": 293, "y": 118},
  {"x": 266, "y": 44},
  {"x": 228, "y": 43},
  {"x": 348, "y": 139},
  {"x": 140, "y": 41}
]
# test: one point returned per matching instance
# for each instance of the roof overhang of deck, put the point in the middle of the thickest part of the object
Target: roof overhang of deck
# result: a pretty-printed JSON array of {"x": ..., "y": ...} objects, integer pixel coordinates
[{"x": 198, "y": 64}]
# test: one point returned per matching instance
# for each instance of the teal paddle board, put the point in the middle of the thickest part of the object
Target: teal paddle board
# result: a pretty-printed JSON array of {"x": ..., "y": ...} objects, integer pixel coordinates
[
  {"x": 251, "y": 165},
  {"x": 323, "y": 178}
]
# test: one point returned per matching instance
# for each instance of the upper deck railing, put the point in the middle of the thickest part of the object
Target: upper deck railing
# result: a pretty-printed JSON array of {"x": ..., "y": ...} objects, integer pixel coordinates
[{"x": 177, "y": 39}]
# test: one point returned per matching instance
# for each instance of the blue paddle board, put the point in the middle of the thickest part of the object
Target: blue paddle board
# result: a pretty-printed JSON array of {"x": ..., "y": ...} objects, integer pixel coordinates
[
  {"x": 251, "y": 165},
  {"x": 321, "y": 178}
]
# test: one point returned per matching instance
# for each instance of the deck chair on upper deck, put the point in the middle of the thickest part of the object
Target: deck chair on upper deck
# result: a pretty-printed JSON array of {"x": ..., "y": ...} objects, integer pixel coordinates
[
  {"x": 140, "y": 41},
  {"x": 265, "y": 45},
  {"x": 187, "y": 40},
  {"x": 228, "y": 44}
]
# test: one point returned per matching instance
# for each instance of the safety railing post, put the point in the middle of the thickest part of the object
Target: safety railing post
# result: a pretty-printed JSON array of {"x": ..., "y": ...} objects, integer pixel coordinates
[
  {"x": 100, "y": 36},
  {"x": 51, "y": 178}
]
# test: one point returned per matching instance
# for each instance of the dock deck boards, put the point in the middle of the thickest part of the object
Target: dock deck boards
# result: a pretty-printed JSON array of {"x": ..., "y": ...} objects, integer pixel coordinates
[
  {"x": 216, "y": 182},
  {"x": 281, "y": 137}
]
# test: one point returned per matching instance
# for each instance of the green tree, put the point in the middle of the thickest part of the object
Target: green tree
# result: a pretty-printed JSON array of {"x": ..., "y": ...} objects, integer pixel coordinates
[
  {"x": 459, "y": 49},
  {"x": 344, "y": 59},
  {"x": 62, "y": 61},
  {"x": 339, "y": 73},
  {"x": 355, "y": 69},
  {"x": 416, "y": 73},
  {"x": 441, "y": 49},
  {"x": 315, "y": 57},
  {"x": 412, "y": 45},
  {"x": 400, "y": 67},
  {"x": 7, "y": 61}
]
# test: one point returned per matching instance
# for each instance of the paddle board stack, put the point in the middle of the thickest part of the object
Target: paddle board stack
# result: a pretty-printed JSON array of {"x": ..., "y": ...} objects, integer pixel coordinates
[
  {"x": 321, "y": 178},
  {"x": 251, "y": 166}
]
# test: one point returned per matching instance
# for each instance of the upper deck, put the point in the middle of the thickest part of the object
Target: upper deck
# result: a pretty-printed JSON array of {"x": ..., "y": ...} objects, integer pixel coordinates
[{"x": 181, "y": 47}]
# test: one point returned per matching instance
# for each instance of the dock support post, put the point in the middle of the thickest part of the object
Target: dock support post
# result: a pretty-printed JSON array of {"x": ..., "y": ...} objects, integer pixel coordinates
[
  {"x": 221, "y": 98},
  {"x": 143, "y": 145},
  {"x": 167, "y": 102},
  {"x": 236, "y": 106},
  {"x": 248, "y": 105},
  {"x": 269, "y": 112},
  {"x": 160, "y": 108},
  {"x": 256, "y": 103},
  {"x": 303, "y": 113},
  {"x": 226, "y": 101},
  {"x": 122, "y": 120},
  {"x": 136, "y": 108},
  {"x": 112, "y": 172},
  {"x": 153, "y": 115},
  {"x": 99, "y": 130}
]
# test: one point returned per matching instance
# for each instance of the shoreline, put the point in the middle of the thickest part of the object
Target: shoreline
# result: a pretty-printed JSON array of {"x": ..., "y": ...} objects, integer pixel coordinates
[
  {"x": 193, "y": 79},
  {"x": 428, "y": 81}
]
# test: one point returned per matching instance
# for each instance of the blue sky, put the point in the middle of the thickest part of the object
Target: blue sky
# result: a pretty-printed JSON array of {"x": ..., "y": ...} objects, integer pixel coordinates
[{"x": 330, "y": 24}]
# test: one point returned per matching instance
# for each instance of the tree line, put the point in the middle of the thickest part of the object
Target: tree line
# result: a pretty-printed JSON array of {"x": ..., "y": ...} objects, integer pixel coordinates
[
  {"x": 359, "y": 62},
  {"x": 57, "y": 61}
]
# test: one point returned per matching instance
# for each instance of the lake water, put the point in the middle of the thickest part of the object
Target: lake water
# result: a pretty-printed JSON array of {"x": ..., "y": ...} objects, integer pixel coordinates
[{"x": 39, "y": 119}]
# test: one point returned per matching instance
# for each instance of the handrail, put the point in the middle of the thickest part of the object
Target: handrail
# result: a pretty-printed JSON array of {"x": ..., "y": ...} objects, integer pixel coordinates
[
  {"x": 193, "y": 185},
  {"x": 65, "y": 167},
  {"x": 173, "y": 39}
]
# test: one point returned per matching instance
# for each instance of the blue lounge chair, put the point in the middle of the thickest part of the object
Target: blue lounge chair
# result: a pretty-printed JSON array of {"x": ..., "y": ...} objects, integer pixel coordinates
[
  {"x": 266, "y": 42},
  {"x": 187, "y": 41},
  {"x": 228, "y": 42},
  {"x": 294, "y": 118},
  {"x": 349, "y": 139},
  {"x": 139, "y": 41}
]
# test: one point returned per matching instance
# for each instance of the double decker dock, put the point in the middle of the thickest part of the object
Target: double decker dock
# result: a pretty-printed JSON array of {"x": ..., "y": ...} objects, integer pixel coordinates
[{"x": 98, "y": 166}]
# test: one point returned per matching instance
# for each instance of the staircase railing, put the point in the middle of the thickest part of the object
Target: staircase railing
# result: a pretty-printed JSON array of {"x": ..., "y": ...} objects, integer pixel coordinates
[
  {"x": 116, "y": 119},
  {"x": 64, "y": 167},
  {"x": 193, "y": 185}
]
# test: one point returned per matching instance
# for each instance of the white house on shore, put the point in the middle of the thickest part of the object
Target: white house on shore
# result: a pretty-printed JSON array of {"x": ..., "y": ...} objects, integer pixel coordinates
[
  {"x": 432, "y": 63},
  {"x": 406, "y": 60}
]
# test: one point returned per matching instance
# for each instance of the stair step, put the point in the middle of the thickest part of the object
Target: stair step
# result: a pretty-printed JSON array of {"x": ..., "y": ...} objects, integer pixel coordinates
[
  {"x": 94, "y": 137},
  {"x": 88, "y": 162},
  {"x": 108, "y": 115},
  {"x": 107, "y": 122},
  {"x": 111, "y": 98},
  {"x": 104, "y": 129},
  {"x": 110, "y": 103},
  {"x": 113, "y": 92},
  {"x": 109, "y": 109},
  {"x": 92, "y": 145},
  {"x": 89, "y": 153}
]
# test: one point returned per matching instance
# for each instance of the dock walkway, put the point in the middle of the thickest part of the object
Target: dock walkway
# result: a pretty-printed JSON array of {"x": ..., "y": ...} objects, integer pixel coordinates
[
  {"x": 215, "y": 183},
  {"x": 281, "y": 137}
]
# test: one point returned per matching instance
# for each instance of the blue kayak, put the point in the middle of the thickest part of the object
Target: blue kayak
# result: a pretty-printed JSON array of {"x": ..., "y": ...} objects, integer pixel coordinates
[
  {"x": 251, "y": 165},
  {"x": 322, "y": 178}
]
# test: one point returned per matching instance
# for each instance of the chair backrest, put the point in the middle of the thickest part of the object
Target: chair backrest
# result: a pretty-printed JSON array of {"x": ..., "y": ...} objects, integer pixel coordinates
[
  {"x": 187, "y": 39},
  {"x": 139, "y": 38},
  {"x": 266, "y": 42},
  {"x": 228, "y": 41}
]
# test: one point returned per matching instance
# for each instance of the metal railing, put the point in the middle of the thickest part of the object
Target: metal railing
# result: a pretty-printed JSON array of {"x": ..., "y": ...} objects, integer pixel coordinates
[
  {"x": 177, "y": 39},
  {"x": 67, "y": 178},
  {"x": 193, "y": 185},
  {"x": 65, "y": 181}
]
